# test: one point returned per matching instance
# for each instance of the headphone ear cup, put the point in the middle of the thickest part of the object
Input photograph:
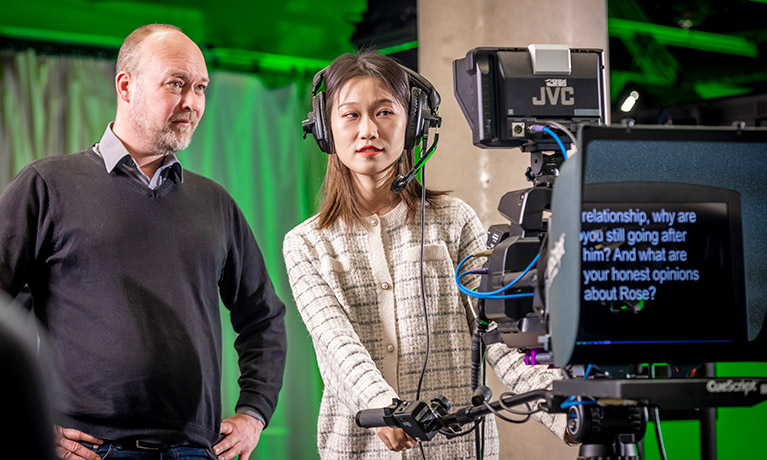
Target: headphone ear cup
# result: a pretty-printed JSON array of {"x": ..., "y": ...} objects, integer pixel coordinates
[
  {"x": 319, "y": 131},
  {"x": 415, "y": 120}
]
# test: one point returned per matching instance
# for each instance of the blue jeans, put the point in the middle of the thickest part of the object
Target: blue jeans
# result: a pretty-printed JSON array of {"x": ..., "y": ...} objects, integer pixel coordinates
[{"x": 115, "y": 451}]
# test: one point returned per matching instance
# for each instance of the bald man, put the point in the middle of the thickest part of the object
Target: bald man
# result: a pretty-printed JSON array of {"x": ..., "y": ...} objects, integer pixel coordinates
[{"x": 125, "y": 255}]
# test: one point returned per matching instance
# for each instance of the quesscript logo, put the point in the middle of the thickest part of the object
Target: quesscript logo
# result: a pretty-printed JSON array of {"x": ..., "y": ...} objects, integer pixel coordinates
[{"x": 731, "y": 386}]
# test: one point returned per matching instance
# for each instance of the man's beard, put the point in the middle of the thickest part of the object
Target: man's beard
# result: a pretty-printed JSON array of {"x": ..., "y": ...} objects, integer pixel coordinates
[{"x": 164, "y": 140}]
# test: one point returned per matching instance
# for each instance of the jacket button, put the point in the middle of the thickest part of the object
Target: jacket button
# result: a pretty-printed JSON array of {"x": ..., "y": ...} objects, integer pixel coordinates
[{"x": 385, "y": 286}]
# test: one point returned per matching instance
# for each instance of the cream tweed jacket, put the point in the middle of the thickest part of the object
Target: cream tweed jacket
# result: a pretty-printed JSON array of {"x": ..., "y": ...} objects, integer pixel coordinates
[{"x": 358, "y": 292}]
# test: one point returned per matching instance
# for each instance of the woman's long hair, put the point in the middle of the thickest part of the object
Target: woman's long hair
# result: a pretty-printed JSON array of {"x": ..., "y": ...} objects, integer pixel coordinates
[{"x": 339, "y": 195}]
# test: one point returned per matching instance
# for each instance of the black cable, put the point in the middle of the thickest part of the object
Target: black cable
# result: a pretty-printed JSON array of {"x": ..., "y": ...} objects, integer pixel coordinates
[
  {"x": 478, "y": 374},
  {"x": 528, "y": 412},
  {"x": 502, "y": 417},
  {"x": 658, "y": 434},
  {"x": 477, "y": 428},
  {"x": 423, "y": 289},
  {"x": 484, "y": 382},
  {"x": 462, "y": 433}
]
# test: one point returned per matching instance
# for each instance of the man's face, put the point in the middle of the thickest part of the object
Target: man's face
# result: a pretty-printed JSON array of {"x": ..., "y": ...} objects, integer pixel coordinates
[{"x": 168, "y": 97}]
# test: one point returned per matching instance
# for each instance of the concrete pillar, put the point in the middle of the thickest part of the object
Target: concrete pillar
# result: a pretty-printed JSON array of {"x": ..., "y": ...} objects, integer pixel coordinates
[{"x": 447, "y": 29}]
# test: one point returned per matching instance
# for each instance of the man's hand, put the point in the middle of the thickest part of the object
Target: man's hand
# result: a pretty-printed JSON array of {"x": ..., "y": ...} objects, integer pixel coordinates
[
  {"x": 68, "y": 446},
  {"x": 395, "y": 438},
  {"x": 241, "y": 433}
]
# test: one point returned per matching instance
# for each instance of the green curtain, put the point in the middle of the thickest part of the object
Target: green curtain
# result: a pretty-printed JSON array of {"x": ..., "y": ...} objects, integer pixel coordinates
[
  {"x": 50, "y": 106},
  {"x": 249, "y": 141}
]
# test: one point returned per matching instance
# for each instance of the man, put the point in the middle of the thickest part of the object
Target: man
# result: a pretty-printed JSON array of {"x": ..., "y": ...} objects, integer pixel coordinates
[{"x": 125, "y": 255}]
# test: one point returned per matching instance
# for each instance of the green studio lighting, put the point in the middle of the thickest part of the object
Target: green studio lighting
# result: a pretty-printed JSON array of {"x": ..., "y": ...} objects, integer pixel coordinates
[
  {"x": 218, "y": 57},
  {"x": 399, "y": 48},
  {"x": 712, "y": 90},
  {"x": 59, "y": 36},
  {"x": 705, "y": 41},
  {"x": 226, "y": 57}
]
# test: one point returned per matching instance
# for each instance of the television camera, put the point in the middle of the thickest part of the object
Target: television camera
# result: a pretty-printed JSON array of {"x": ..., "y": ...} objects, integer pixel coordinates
[{"x": 630, "y": 252}]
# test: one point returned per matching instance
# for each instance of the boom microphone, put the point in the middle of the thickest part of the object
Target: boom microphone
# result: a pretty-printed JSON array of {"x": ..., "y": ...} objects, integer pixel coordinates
[{"x": 400, "y": 182}]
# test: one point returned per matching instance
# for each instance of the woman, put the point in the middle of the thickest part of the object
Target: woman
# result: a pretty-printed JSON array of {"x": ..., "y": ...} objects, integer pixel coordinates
[{"x": 355, "y": 274}]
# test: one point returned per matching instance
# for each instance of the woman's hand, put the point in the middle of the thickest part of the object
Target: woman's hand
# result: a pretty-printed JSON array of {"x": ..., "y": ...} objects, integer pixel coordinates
[{"x": 395, "y": 438}]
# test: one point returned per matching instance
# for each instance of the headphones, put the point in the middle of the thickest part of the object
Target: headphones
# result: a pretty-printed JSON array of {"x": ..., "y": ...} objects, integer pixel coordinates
[{"x": 422, "y": 113}]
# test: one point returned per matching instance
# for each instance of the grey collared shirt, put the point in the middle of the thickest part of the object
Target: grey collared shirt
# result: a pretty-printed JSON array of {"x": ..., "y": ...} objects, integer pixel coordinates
[{"x": 115, "y": 155}]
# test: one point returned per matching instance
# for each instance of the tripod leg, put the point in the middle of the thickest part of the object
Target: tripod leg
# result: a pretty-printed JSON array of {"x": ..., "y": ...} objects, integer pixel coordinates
[{"x": 708, "y": 425}]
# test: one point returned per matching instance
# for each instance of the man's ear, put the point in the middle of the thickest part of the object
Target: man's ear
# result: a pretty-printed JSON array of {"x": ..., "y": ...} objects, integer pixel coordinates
[{"x": 125, "y": 84}]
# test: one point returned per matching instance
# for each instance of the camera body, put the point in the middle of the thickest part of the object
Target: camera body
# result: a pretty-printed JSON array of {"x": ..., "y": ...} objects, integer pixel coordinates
[
  {"x": 510, "y": 96},
  {"x": 504, "y": 91}
]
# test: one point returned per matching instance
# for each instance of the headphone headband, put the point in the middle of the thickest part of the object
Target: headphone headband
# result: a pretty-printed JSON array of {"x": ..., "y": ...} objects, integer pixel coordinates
[
  {"x": 416, "y": 79},
  {"x": 319, "y": 77}
]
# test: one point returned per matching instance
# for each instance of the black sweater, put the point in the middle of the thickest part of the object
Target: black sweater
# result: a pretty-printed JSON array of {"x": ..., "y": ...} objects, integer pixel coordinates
[{"x": 127, "y": 282}]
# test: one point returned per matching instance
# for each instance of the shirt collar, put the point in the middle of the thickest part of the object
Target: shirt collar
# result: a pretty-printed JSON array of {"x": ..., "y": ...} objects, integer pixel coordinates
[
  {"x": 396, "y": 216},
  {"x": 113, "y": 152}
]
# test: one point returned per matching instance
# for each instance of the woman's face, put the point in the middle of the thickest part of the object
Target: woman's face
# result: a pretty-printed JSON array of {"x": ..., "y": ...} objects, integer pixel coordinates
[{"x": 368, "y": 126}]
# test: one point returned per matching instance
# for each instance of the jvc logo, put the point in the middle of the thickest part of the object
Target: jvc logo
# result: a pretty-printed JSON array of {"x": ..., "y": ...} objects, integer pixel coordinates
[{"x": 555, "y": 96}]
